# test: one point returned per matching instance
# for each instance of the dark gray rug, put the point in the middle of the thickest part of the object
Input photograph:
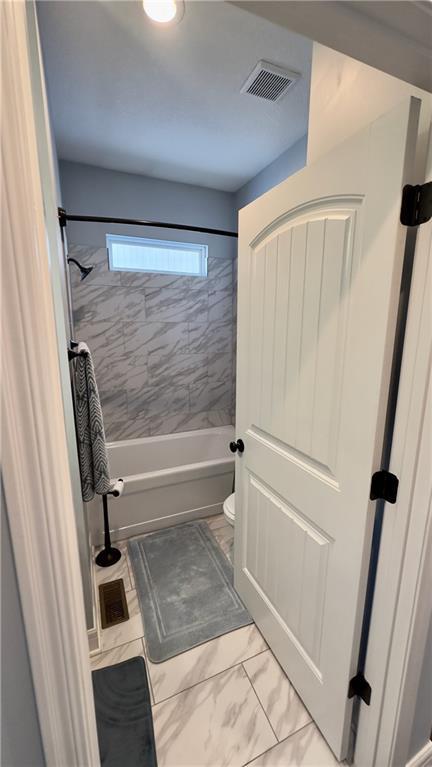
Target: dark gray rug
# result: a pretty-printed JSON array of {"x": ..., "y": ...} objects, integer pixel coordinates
[
  {"x": 185, "y": 587},
  {"x": 123, "y": 715}
]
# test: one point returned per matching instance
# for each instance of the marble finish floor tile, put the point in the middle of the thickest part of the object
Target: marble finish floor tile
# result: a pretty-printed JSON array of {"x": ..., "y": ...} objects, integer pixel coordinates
[
  {"x": 131, "y": 573},
  {"x": 207, "y": 660},
  {"x": 278, "y": 698},
  {"x": 306, "y": 748},
  {"x": 123, "y": 632},
  {"x": 218, "y": 722},
  {"x": 113, "y": 573},
  {"x": 123, "y": 546},
  {"x": 225, "y": 538},
  {"x": 117, "y": 654},
  {"x": 217, "y": 520}
]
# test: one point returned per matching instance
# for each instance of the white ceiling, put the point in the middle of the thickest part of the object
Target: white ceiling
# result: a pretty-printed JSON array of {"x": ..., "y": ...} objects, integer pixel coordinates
[
  {"x": 165, "y": 101},
  {"x": 392, "y": 35}
]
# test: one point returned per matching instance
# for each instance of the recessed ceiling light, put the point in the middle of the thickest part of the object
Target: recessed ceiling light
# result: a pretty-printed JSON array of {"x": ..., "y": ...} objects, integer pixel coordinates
[{"x": 162, "y": 11}]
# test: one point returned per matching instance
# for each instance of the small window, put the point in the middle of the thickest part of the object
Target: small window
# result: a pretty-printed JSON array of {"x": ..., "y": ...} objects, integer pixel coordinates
[{"x": 139, "y": 254}]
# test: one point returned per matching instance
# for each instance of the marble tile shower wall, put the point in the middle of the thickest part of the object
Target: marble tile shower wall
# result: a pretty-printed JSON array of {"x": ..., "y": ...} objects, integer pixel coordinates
[{"x": 163, "y": 345}]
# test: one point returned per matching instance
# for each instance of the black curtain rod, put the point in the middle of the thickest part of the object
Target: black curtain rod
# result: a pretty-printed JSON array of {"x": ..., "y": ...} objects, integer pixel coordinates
[{"x": 64, "y": 217}]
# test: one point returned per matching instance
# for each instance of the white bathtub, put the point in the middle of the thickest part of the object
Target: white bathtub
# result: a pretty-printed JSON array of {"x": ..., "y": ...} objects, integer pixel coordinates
[{"x": 168, "y": 480}]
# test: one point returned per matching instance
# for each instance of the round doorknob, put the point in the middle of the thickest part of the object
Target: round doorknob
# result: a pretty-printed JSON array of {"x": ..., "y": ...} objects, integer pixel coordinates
[{"x": 237, "y": 446}]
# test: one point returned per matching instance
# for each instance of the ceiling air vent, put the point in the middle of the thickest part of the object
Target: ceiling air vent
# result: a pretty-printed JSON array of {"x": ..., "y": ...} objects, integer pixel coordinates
[{"x": 268, "y": 81}]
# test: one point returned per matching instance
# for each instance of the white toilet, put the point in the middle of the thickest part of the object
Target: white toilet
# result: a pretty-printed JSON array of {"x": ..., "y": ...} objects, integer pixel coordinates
[{"x": 229, "y": 508}]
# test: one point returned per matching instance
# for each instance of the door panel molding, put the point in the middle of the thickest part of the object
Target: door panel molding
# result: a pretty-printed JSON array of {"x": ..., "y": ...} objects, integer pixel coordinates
[
  {"x": 314, "y": 379},
  {"x": 336, "y": 206},
  {"x": 297, "y": 547},
  {"x": 289, "y": 453}
]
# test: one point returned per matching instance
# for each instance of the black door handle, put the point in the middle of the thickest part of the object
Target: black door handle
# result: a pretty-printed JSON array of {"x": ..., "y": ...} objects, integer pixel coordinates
[{"x": 237, "y": 446}]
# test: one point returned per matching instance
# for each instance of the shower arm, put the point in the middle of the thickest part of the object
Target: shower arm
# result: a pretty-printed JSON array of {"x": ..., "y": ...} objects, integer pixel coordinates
[
  {"x": 74, "y": 261},
  {"x": 85, "y": 270}
]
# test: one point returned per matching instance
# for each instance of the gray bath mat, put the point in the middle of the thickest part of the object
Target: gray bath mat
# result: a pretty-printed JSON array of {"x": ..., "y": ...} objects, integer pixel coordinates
[
  {"x": 123, "y": 715},
  {"x": 185, "y": 588}
]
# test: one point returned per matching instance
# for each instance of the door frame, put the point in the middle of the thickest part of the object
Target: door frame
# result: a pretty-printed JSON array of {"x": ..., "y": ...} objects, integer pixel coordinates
[
  {"x": 36, "y": 470},
  {"x": 45, "y": 542},
  {"x": 399, "y": 621}
]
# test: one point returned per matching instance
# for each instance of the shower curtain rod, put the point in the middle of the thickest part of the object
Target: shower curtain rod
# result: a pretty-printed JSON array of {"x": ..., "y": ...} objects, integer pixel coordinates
[{"x": 64, "y": 217}]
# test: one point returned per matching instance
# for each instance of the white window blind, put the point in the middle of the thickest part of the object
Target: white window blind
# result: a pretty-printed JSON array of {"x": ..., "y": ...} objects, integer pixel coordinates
[{"x": 140, "y": 254}]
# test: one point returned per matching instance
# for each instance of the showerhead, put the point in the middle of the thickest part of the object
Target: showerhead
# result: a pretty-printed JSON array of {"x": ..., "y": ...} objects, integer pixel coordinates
[{"x": 85, "y": 270}]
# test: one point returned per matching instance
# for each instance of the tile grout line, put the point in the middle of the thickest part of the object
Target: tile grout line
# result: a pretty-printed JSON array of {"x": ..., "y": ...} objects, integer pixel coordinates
[
  {"x": 112, "y": 649},
  {"x": 131, "y": 588},
  {"x": 251, "y": 761},
  {"x": 291, "y": 685},
  {"x": 197, "y": 683},
  {"x": 148, "y": 673},
  {"x": 208, "y": 678},
  {"x": 260, "y": 703},
  {"x": 212, "y": 676},
  {"x": 129, "y": 567},
  {"x": 122, "y": 644},
  {"x": 202, "y": 680}
]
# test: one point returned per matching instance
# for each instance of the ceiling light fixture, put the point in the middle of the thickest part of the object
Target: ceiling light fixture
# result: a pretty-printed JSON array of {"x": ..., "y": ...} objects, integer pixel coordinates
[{"x": 161, "y": 11}]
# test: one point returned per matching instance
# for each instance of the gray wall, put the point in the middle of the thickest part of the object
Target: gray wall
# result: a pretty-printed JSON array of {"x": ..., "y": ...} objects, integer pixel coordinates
[
  {"x": 162, "y": 344},
  {"x": 292, "y": 160},
  {"x": 21, "y": 744},
  {"x": 95, "y": 191}
]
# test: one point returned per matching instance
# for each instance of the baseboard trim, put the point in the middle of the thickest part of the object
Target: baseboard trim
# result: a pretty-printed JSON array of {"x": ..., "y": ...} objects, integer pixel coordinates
[
  {"x": 93, "y": 634},
  {"x": 129, "y": 531},
  {"x": 93, "y": 641},
  {"x": 423, "y": 758}
]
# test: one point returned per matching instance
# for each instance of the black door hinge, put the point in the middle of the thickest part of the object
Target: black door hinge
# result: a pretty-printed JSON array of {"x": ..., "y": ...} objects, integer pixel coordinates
[
  {"x": 62, "y": 217},
  {"x": 416, "y": 205},
  {"x": 384, "y": 485},
  {"x": 360, "y": 686}
]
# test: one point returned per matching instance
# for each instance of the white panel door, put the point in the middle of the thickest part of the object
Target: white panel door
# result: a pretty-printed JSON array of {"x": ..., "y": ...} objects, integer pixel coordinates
[{"x": 320, "y": 260}]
